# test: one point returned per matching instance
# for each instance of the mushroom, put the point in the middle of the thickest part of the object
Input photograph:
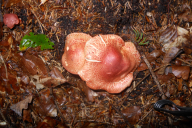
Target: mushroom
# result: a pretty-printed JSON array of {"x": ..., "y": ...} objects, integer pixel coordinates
[
  {"x": 10, "y": 20},
  {"x": 107, "y": 62},
  {"x": 73, "y": 57}
]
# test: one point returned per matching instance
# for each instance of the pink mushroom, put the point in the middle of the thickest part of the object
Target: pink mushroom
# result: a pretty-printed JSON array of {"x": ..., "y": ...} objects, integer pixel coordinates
[
  {"x": 73, "y": 57},
  {"x": 10, "y": 20},
  {"x": 108, "y": 63}
]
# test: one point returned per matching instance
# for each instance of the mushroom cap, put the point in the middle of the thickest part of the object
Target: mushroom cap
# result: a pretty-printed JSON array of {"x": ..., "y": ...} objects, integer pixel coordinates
[
  {"x": 109, "y": 63},
  {"x": 10, "y": 20},
  {"x": 73, "y": 57}
]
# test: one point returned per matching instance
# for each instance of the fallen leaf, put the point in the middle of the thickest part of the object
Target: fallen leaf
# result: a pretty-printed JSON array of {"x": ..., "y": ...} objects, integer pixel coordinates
[
  {"x": 27, "y": 115},
  {"x": 154, "y": 55},
  {"x": 18, "y": 107},
  {"x": 180, "y": 84},
  {"x": 57, "y": 77},
  {"x": 173, "y": 36},
  {"x": 142, "y": 67},
  {"x": 34, "y": 65},
  {"x": 133, "y": 114},
  {"x": 170, "y": 54},
  {"x": 181, "y": 71},
  {"x": 44, "y": 104}
]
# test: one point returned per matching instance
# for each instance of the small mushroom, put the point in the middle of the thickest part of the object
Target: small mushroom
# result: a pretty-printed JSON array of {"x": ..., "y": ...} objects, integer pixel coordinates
[
  {"x": 10, "y": 20},
  {"x": 73, "y": 58},
  {"x": 109, "y": 63}
]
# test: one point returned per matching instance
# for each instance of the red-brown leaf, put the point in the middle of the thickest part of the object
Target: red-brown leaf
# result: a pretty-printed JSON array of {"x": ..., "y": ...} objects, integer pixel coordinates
[
  {"x": 133, "y": 114},
  {"x": 181, "y": 71}
]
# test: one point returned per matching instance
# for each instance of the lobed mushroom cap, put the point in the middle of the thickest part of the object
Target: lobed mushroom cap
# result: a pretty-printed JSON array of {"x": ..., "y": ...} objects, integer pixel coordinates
[
  {"x": 10, "y": 20},
  {"x": 109, "y": 63},
  {"x": 73, "y": 57}
]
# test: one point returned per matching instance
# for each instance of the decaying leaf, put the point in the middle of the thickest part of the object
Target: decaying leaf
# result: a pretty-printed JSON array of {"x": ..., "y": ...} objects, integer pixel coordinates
[
  {"x": 38, "y": 81},
  {"x": 34, "y": 65},
  {"x": 170, "y": 54},
  {"x": 27, "y": 115},
  {"x": 133, "y": 114},
  {"x": 154, "y": 55},
  {"x": 57, "y": 77},
  {"x": 173, "y": 36},
  {"x": 44, "y": 104},
  {"x": 142, "y": 67},
  {"x": 181, "y": 71},
  {"x": 180, "y": 84},
  {"x": 41, "y": 81},
  {"x": 18, "y": 107}
]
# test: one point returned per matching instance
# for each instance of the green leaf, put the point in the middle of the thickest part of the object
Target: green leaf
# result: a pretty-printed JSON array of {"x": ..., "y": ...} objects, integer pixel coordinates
[{"x": 32, "y": 40}]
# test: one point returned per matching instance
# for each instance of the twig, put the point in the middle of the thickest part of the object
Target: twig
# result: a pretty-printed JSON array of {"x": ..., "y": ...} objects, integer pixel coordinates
[
  {"x": 36, "y": 17},
  {"x": 126, "y": 95},
  {"x": 145, "y": 115},
  {"x": 56, "y": 104},
  {"x": 153, "y": 75},
  {"x": 185, "y": 62},
  {"x": 40, "y": 24}
]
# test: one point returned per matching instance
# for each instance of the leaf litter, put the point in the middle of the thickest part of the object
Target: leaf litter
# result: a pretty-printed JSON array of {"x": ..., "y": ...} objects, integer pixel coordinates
[{"x": 36, "y": 91}]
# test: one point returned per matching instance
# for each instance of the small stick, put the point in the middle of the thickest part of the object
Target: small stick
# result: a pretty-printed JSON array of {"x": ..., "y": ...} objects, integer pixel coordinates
[
  {"x": 153, "y": 75},
  {"x": 126, "y": 95},
  {"x": 57, "y": 107}
]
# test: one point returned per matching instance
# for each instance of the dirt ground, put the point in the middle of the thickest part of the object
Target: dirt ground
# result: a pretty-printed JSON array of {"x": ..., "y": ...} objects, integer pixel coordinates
[{"x": 37, "y": 92}]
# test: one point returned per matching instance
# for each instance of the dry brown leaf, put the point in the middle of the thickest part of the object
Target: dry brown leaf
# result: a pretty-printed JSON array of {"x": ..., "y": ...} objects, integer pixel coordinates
[
  {"x": 181, "y": 71},
  {"x": 173, "y": 36},
  {"x": 180, "y": 85},
  {"x": 39, "y": 81},
  {"x": 165, "y": 78},
  {"x": 34, "y": 65},
  {"x": 170, "y": 54},
  {"x": 18, "y": 107},
  {"x": 57, "y": 77},
  {"x": 133, "y": 114},
  {"x": 178, "y": 102},
  {"x": 27, "y": 115},
  {"x": 154, "y": 55},
  {"x": 142, "y": 67},
  {"x": 44, "y": 105},
  {"x": 190, "y": 85}
]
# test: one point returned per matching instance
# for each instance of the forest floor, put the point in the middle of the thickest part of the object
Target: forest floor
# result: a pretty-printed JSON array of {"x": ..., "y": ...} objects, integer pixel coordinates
[{"x": 36, "y": 91}]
